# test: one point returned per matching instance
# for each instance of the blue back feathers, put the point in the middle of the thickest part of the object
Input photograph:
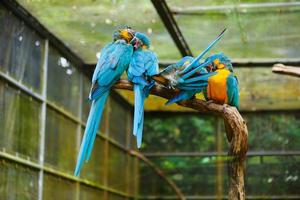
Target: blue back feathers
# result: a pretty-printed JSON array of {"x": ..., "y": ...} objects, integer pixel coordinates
[
  {"x": 114, "y": 60},
  {"x": 143, "y": 65}
]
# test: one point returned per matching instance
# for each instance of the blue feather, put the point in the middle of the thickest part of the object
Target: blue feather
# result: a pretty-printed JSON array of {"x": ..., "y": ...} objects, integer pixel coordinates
[
  {"x": 203, "y": 52},
  {"x": 193, "y": 71},
  {"x": 138, "y": 113},
  {"x": 232, "y": 91},
  {"x": 114, "y": 60},
  {"x": 200, "y": 78},
  {"x": 90, "y": 131},
  {"x": 195, "y": 89},
  {"x": 143, "y": 65},
  {"x": 203, "y": 84},
  {"x": 184, "y": 95}
]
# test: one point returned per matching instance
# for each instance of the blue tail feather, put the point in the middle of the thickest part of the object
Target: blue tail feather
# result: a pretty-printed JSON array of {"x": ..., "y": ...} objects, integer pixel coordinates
[
  {"x": 181, "y": 96},
  {"x": 140, "y": 131},
  {"x": 203, "y": 52},
  {"x": 90, "y": 131},
  {"x": 190, "y": 73},
  {"x": 138, "y": 121},
  {"x": 200, "y": 78},
  {"x": 195, "y": 89},
  {"x": 203, "y": 84}
]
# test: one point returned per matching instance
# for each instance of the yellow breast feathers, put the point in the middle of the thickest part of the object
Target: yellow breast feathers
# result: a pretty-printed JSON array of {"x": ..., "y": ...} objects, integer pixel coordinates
[{"x": 217, "y": 86}]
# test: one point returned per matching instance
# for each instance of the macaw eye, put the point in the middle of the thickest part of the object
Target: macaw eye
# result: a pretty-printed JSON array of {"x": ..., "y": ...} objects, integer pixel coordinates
[
  {"x": 186, "y": 63},
  {"x": 216, "y": 61}
]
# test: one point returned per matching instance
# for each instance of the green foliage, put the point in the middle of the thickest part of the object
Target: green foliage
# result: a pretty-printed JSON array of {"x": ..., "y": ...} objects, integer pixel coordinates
[
  {"x": 273, "y": 175},
  {"x": 179, "y": 133},
  {"x": 266, "y": 175},
  {"x": 273, "y": 131}
]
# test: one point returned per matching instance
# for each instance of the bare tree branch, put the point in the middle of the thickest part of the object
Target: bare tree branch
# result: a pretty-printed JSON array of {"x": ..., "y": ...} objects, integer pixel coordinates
[
  {"x": 288, "y": 70},
  {"x": 236, "y": 131}
]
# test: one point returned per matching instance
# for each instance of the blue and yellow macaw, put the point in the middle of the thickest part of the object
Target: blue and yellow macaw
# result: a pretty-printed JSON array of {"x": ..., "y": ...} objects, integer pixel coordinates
[
  {"x": 187, "y": 75},
  {"x": 223, "y": 86},
  {"x": 143, "y": 65},
  {"x": 114, "y": 60}
]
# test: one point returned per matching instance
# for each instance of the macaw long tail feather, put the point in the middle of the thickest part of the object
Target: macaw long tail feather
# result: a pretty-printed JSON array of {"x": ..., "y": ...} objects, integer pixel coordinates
[
  {"x": 190, "y": 73},
  {"x": 197, "y": 85},
  {"x": 181, "y": 96},
  {"x": 90, "y": 131},
  {"x": 200, "y": 78},
  {"x": 193, "y": 88},
  {"x": 138, "y": 121},
  {"x": 203, "y": 52}
]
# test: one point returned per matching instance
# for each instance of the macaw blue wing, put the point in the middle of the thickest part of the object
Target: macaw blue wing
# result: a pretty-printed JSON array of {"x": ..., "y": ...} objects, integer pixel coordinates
[
  {"x": 113, "y": 61},
  {"x": 232, "y": 91},
  {"x": 152, "y": 64},
  {"x": 143, "y": 65},
  {"x": 190, "y": 87},
  {"x": 107, "y": 72},
  {"x": 193, "y": 81},
  {"x": 176, "y": 66}
]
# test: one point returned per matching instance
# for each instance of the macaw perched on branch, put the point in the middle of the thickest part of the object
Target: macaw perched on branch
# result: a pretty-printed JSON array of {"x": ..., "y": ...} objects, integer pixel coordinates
[
  {"x": 114, "y": 60},
  {"x": 187, "y": 75},
  {"x": 143, "y": 65},
  {"x": 223, "y": 86}
]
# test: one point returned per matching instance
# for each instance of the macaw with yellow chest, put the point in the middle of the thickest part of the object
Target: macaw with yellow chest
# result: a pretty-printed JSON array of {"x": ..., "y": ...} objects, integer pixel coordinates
[
  {"x": 223, "y": 85},
  {"x": 214, "y": 77},
  {"x": 143, "y": 65},
  {"x": 114, "y": 60},
  {"x": 188, "y": 75}
]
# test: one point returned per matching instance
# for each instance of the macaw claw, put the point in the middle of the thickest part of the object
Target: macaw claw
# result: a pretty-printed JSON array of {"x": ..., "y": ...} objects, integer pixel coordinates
[{"x": 209, "y": 102}]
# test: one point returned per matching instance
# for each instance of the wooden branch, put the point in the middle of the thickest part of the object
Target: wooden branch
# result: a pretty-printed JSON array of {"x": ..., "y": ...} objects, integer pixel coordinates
[
  {"x": 236, "y": 131},
  {"x": 237, "y": 134},
  {"x": 288, "y": 70}
]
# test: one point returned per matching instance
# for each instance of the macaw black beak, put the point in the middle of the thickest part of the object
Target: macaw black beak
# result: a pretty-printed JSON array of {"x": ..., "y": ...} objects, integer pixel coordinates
[
  {"x": 135, "y": 42},
  {"x": 160, "y": 79},
  {"x": 131, "y": 32}
]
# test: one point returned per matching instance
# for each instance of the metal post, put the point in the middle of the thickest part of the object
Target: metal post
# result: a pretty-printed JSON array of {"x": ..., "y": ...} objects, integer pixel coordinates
[
  {"x": 172, "y": 27},
  {"x": 78, "y": 131},
  {"x": 43, "y": 121}
]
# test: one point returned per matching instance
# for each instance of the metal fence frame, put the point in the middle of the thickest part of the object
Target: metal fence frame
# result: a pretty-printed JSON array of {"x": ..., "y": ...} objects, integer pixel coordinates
[{"x": 39, "y": 165}]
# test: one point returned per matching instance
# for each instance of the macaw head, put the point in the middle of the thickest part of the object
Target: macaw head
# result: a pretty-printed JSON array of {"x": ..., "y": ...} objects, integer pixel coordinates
[
  {"x": 140, "y": 40},
  {"x": 124, "y": 32},
  {"x": 218, "y": 61}
]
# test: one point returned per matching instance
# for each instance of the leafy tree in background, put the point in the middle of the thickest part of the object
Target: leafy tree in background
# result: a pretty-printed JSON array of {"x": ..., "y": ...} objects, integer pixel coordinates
[{"x": 180, "y": 133}]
